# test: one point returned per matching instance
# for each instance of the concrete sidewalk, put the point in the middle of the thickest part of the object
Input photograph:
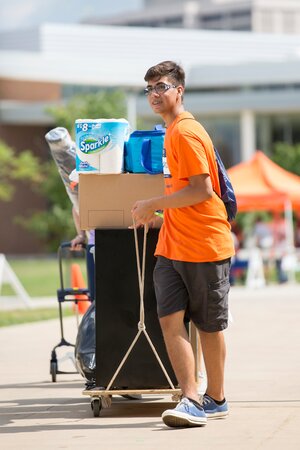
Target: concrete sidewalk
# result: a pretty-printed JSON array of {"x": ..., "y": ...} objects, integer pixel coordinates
[{"x": 262, "y": 387}]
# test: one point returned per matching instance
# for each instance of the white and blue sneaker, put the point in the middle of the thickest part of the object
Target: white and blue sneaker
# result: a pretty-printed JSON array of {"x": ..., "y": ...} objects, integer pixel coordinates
[
  {"x": 186, "y": 414},
  {"x": 212, "y": 409}
]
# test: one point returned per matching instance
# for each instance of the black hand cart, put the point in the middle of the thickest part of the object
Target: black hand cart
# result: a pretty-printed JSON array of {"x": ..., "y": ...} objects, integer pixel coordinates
[
  {"x": 130, "y": 353},
  {"x": 67, "y": 294}
]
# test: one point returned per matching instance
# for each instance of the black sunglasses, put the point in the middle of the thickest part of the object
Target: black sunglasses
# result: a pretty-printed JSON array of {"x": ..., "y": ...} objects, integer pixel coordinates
[{"x": 159, "y": 88}]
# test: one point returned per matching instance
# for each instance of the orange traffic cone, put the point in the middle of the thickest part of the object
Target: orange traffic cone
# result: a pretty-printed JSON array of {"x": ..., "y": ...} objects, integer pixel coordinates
[{"x": 78, "y": 282}]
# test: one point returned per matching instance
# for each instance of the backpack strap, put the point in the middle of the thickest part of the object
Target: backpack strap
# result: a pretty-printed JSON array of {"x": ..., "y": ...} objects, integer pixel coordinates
[{"x": 227, "y": 191}]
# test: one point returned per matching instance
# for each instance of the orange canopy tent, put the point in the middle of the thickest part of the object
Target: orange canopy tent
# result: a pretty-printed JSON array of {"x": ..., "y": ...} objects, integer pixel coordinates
[{"x": 260, "y": 184}]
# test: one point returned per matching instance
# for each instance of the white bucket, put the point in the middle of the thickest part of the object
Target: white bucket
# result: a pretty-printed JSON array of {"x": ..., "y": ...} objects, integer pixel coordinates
[{"x": 100, "y": 145}]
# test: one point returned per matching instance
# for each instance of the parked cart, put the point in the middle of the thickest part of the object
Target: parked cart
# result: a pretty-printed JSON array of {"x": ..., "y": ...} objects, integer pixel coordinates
[{"x": 67, "y": 294}]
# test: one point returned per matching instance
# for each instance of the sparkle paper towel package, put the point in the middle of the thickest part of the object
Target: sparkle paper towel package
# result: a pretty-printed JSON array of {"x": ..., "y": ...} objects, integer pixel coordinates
[{"x": 100, "y": 145}]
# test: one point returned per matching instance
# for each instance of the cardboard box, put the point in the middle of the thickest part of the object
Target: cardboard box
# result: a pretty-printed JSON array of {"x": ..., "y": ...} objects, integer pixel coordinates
[{"x": 105, "y": 201}]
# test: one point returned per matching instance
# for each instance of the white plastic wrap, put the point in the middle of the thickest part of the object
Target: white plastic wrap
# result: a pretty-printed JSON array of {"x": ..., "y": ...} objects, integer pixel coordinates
[{"x": 63, "y": 151}]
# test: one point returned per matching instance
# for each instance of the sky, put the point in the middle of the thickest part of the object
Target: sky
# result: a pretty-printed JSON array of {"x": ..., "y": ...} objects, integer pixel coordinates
[{"x": 16, "y": 14}]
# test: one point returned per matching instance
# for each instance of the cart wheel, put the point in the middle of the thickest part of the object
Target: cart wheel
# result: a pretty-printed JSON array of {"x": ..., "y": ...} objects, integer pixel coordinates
[
  {"x": 53, "y": 370},
  {"x": 96, "y": 405}
]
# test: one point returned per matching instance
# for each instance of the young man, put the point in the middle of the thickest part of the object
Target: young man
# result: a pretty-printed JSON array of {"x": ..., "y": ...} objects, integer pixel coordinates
[{"x": 193, "y": 252}]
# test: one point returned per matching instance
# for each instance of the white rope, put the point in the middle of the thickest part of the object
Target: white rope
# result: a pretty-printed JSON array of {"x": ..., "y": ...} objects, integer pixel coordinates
[
  {"x": 141, "y": 273},
  {"x": 141, "y": 324}
]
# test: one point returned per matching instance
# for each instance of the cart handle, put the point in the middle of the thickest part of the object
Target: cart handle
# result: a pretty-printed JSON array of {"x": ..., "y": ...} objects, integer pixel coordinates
[{"x": 67, "y": 244}]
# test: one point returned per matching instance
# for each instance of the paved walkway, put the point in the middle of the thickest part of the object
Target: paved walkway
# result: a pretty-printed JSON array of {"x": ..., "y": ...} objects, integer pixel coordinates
[{"x": 262, "y": 385}]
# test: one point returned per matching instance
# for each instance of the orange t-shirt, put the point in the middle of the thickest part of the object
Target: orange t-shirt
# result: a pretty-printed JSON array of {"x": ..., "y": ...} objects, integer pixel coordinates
[{"x": 201, "y": 232}]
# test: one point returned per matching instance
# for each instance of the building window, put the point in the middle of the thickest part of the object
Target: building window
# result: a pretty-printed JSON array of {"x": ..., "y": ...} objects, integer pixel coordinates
[
  {"x": 212, "y": 21},
  {"x": 173, "y": 21},
  {"x": 69, "y": 90},
  {"x": 274, "y": 128}
]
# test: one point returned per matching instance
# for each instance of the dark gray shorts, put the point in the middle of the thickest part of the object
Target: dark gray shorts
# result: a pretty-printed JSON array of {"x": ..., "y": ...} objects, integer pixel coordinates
[{"x": 200, "y": 289}]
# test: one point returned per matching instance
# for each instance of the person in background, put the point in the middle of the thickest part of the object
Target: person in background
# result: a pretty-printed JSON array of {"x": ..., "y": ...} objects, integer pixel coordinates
[
  {"x": 88, "y": 239},
  {"x": 280, "y": 246},
  {"x": 194, "y": 249},
  {"x": 63, "y": 151},
  {"x": 263, "y": 235}
]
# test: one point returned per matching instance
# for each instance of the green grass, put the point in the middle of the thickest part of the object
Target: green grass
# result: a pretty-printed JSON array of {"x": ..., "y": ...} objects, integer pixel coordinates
[
  {"x": 40, "y": 276},
  {"x": 17, "y": 317}
]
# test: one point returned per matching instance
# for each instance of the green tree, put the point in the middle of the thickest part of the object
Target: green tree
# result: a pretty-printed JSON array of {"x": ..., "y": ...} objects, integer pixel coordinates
[
  {"x": 23, "y": 166},
  {"x": 287, "y": 156},
  {"x": 54, "y": 224}
]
